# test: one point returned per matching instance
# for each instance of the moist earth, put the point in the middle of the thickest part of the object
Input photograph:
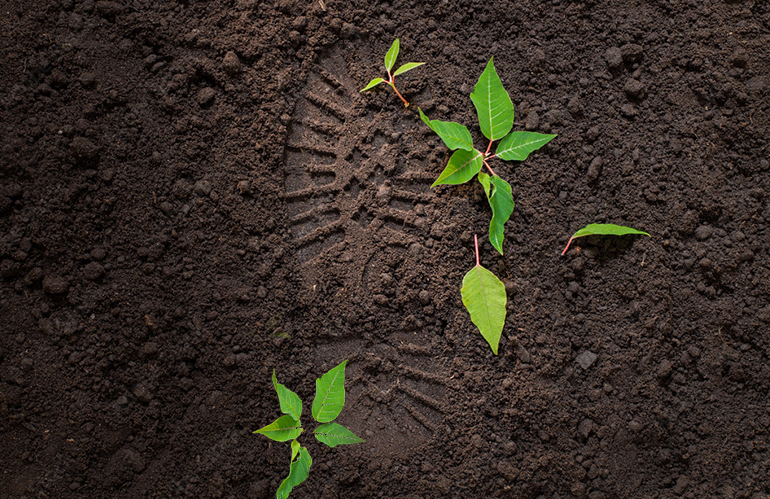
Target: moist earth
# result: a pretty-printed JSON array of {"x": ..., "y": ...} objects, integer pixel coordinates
[{"x": 193, "y": 194}]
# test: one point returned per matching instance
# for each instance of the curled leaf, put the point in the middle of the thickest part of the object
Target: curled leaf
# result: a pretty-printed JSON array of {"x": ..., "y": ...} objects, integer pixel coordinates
[
  {"x": 500, "y": 199},
  {"x": 299, "y": 470},
  {"x": 603, "y": 230}
]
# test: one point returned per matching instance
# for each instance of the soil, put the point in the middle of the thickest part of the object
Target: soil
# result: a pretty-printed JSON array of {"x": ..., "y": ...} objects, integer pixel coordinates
[{"x": 193, "y": 194}]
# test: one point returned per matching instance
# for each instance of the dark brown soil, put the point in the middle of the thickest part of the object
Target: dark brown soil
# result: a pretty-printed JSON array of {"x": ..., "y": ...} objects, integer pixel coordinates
[{"x": 195, "y": 193}]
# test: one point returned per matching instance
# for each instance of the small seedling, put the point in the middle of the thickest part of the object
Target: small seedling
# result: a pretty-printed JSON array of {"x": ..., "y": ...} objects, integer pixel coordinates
[
  {"x": 602, "y": 230},
  {"x": 390, "y": 60},
  {"x": 495, "y": 111},
  {"x": 484, "y": 297},
  {"x": 327, "y": 405}
]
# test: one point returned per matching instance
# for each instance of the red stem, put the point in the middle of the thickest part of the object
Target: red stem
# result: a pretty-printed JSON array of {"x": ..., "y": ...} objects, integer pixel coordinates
[
  {"x": 489, "y": 147},
  {"x": 490, "y": 168},
  {"x": 392, "y": 84},
  {"x": 476, "y": 243},
  {"x": 567, "y": 247}
]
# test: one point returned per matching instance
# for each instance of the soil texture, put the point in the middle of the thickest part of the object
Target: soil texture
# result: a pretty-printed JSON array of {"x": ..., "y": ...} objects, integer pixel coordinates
[{"x": 195, "y": 193}]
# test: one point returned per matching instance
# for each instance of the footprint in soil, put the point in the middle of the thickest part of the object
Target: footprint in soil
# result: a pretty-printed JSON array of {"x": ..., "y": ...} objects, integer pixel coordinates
[{"x": 356, "y": 207}]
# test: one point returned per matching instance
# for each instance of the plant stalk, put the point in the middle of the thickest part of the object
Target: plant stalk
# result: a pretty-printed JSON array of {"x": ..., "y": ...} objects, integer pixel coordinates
[
  {"x": 567, "y": 247},
  {"x": 393, "y": 86},
  {"x": 476, "y": 244}
]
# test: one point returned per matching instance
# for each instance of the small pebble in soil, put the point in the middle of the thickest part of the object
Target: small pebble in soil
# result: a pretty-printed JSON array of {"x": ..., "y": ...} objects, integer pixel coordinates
[
  {"x": 613, "y": 57},
  {"x": 55, "y": 285},
  {"x": 231, "y": 63},
  {"x": 93, "y": 271},
  {"x": 595, "y": 169},
  {"x": 635, "y": 89},
  {"x": 586, "y": 359},
  {"x": 205, "y": 96}
]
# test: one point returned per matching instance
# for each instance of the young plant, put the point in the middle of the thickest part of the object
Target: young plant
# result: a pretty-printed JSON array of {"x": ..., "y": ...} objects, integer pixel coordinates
[
  {"x": 602, "y": 230},
  {"x": 390, "y": 60},
  {"x": 484, "y": 297},
  {"x": 327, "y": 405},
  {"x": 495, "y": 112}
]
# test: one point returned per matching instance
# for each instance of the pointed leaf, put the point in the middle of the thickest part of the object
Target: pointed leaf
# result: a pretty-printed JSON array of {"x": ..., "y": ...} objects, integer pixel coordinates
[
  {"x": 454, "y": 135},
  {"x": 462, "y": 166},
  {"x": 501, "y": 201},
  {"x": 299, "y": 470},
  {"x": 372, "y": 84},
  {"x": 290, "y": 402},
  {"x": 407, "y": 67},
  {"x": 282, "y": 429},
  {"x": 603, "y": 230},
  {"x": 493, "y": 104},
  {"x": 516, "y": 146},
  {"x": 294, "y": 449},
  {"x": 333, "y": 434},
  {"x": 329, "y": 394},
  {"x": 484, "y": 297},
  {"x": 390, "y": 57}
]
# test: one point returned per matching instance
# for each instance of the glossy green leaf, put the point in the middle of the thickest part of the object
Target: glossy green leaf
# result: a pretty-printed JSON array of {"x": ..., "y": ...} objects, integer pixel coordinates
[
  {"x": 390, "y": 57},
  {"x": 454, "y": 135},
  {"x": 294, "y": 449},
  {"x": 484, "y": 297},
  {"x": 333, "y": 434},
  {"x": 516, "y": 146},
  {"x": 290, "y": 402},
  {"x": 329, "y": 394},
  {"x": 462, "y": 166},
  {"x": 500, "y": 200},
  {"x": 407, "y": 67},
  {"x": 493, "y": 104},
  {"x": 298, "y": 473},
  {"x": 603, "y": 230},
  {"x": 282, "y": 429},
  {"x": 373, "y": 84}
]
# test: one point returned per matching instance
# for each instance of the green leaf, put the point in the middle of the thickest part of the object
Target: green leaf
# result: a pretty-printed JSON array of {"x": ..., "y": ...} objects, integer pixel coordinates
[
  {"x": 290, "y": 402},
  {"x": 454, "y": 135},
  {"x": 294, "y": 449},
  {"x": 493, "y": 104},
  {"x": 333, "y": 434},
  {"x": 298, "y": 473},
  {"x": 516, "y": 146},
  {"x": 390, "y": 57},
  {"x": 501, "y": 201},
  {"x": 407, "y": 67},
  {"x": 462, "y": 166},
  {"x": 373, "y": 84},
  {"x": 484, "y": 297},
  {"x": 282, "y": 429},
  {"x": 329, "y": 394},
  {"x": 603, "y": 230}
]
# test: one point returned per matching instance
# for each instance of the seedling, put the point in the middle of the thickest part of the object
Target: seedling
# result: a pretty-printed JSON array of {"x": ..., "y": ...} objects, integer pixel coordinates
[
  {"x": 390, "y": 60},
  {"x": 602, "y": 230},
  {"x": 484, "y": 298},
  {"x": 327, "y": 405},
  {"x": 495, "y": 111}
]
